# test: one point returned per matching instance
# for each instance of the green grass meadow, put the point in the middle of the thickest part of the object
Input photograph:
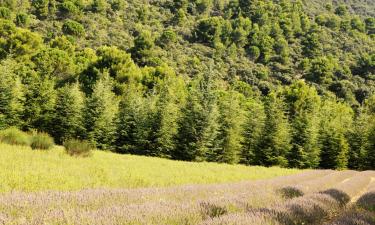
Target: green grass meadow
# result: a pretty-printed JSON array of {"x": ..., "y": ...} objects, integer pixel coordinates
[{"x": 23, "y": 169}]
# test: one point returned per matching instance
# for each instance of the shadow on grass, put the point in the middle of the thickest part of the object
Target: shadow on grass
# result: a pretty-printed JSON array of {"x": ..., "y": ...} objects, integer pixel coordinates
[
  {"x": 309, "y": 209},
  {"x": 341, "y": 197},
  {"x": 355, "y": 217},
  {"x": 367, "y": 201}
]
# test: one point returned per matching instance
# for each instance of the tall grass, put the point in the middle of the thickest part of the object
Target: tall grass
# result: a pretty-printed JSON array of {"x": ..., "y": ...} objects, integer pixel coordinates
[
  {"x": 55, "y": 170},
  {"x": 13, "y": 136},
  {"x": 76, "y": 147},
  {"x": 41, "y": 141}
]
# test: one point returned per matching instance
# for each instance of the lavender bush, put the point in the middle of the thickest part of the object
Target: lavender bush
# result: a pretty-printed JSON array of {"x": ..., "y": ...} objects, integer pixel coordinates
[{"x": 257, "y": 202}]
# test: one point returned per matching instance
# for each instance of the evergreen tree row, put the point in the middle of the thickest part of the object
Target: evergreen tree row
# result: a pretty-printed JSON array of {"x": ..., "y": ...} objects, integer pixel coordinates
[{"x": 204, "y": 119}]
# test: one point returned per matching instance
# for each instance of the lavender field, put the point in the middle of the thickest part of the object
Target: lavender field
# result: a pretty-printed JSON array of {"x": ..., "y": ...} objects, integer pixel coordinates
[{"x": 311, "y": 197}]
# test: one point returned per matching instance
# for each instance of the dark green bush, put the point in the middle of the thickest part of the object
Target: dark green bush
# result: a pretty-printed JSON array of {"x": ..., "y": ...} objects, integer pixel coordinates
[
  {"x": 13, "y": 136},
  {"x": 22, "y": 19},
  {"x": 5, "y": 13},
  {"x": 69, "y": 8},
  {"x": 41, "y": 141},
  {"x": 72, "y": 27},
  {"x": 76, "y": 147}
]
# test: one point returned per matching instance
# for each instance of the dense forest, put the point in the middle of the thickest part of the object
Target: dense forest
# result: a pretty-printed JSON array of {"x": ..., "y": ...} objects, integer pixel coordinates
[{"x": 262, "y": 82}]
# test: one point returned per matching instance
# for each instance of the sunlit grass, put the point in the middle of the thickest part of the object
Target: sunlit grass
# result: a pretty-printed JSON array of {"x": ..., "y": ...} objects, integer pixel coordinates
[{"x": 23, "y": 169}]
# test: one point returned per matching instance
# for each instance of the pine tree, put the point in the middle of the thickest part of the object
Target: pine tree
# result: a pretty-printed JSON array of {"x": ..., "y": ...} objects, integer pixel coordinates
[
  {"x": 100, "y": 114},
  {"x": 40, "y": 100},
  {"x": 368, "y": 160},
  {"x": 229, "y": 139},
  {"x": 275, "y": 144},
  {"x": 198, "y": 125},
  {"x": 303, "y": 104},
  {"x": 11, "y": 97},
  {"x": 336, "y": 121},
  {"x": 165, "y": 118},
  {"x": 253, "y": 127},
  {"x": 68, "y": 117},
  {"x": 131, "y": 121}
]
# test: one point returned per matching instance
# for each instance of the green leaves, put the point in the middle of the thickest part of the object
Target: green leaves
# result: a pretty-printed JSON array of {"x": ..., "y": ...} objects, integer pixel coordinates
[{"x": 74, "y": 28}]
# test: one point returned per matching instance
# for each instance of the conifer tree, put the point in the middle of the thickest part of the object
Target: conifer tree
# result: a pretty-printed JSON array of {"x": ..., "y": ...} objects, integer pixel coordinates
[
  {"x": 131, "y": 121},
  {"x": 275, "y": 144},
  {"x": 229, "y": 138},
  {"x": 358, "y": 141},
  {"x": 100, "y": 114},
  {"x": 253, "y": 127},
  {"x": 68, "y": 118},
  {"x": 303, "y": 103},
  {"x": 198, "y": 125},
  {"x": 40, "y": 99},
  {"x": 368, "y": 161},
  {"x": 11, "y": 97},
  {"x": 336, "y": 121},
  {"x": 165, "y": 118}
]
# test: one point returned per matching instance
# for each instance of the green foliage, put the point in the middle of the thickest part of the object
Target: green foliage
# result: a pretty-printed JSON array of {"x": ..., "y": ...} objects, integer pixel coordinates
[
  {"x": 13, "y": 136},
  {"x": 22, "y": 19},
  {"x": 198, "y": 126},
  {"x": 11, "y": 96},
  {"x": 68, "y": 8},
  {"x": 254, "y": 82},
  {"x": 74, "y": 28},
  {"x": 78, "y": 148},
  {"x": 143, "y": 44},
  {"x": 253, "y": 131},
  {"x": 131, "y": 122},
  {"x": 68, "y": 114},
  {"x": 209, "y": 30},
  {"x": 54, "y": 63},
  {"x": 99, "y": 6},
  {"x": 118, "y": 5},
  {"x": 43, "y": 8},
  {"x": 17, "y": 42},
  {"x": 304, "y": 106},
  {"x": 275, "y": 144},
  {"x": 167, "y": 37},
  {"x": 5, "y": 13},
  {"x": 337, "y": 117},
  {"x": 341, "y": 10},
  {"x": 40, "y": 99},
  {"x": 228, "y": 143},
  {"x": 41, "y": 141},
  {"x": 164, "y": 119},
  {"x": 100, "y": 114},
  {"x": 321, "y": 70}
]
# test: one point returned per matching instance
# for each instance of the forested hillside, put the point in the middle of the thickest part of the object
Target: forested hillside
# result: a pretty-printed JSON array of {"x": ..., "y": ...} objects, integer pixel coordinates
[{"x": 261, "y": 82}]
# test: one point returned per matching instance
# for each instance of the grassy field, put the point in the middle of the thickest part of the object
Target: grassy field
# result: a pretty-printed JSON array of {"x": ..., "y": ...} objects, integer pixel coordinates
[{"x": 23, "y": 169}]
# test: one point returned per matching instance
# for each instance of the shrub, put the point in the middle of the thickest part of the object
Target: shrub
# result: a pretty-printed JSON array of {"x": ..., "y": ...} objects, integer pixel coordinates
[
  {"x": 13, "y": 136},
  {"x": 72, "y": 27},
  {"x": 289, "y": 192},
  {"x": 22, "y": 19},
  {"x": 76, "y": 147},
  {"x": 69, "y": 8},
  {"x": 5, "y": 13},
  {"x": 41, "y": 141}
]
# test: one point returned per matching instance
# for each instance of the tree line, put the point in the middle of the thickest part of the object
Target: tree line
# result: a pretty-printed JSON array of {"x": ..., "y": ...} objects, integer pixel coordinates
[{"x": 204, "y": 119}]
